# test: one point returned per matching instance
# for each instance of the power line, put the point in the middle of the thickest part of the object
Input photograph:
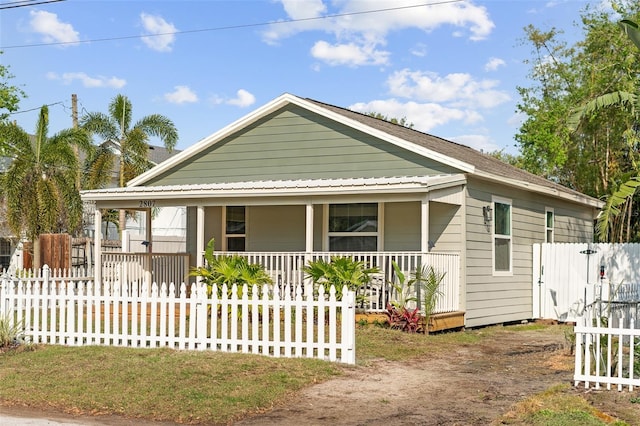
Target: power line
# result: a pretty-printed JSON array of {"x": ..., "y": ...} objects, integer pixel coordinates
[
  {"x": 25, "y": 3},
  {"x": 232, "y": 27},
  {"x": 37, "y": 108}
]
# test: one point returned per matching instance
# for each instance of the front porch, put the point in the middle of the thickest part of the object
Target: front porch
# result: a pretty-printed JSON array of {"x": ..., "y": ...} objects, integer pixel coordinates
[
  {"x": 286, "y": 269},
  {"x": 283, "y": 225}
]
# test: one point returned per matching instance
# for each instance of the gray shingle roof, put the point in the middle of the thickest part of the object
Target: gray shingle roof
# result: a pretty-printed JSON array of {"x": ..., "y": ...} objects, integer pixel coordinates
[{"x": 482, "y": 162}]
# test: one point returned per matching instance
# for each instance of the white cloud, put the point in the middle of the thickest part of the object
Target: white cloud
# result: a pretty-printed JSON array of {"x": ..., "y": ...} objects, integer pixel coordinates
[
  {"x": 456, "y": 89},
  {"x": 365, "y": 32},
  {"x": 494, "y": 64},
  {"x": 348, "y": 54},
  {"x": 419, "y": 50},
  {"x": 427, "y": 116},
  {"x": 298, "y": 9},
  {"x": 88, "y": 81},
  {"x": 243, "y": 99},
  {"x": 162, "y": 32},
  {"x": 181, "y": 95},
  {"x": 424, "y": 116},
  {"x": 52, "y": 29}
]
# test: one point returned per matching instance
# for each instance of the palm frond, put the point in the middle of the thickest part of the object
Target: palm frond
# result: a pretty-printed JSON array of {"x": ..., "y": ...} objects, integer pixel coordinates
[
  {"x": 619, "y": 98},
  {"x": 159, "y": 126},
  {"x": 101, "y": 125},
  {"x": 120, "y": 113},
  {"x": 612, "y": 206},
  {"x": 632, "y": 30}
]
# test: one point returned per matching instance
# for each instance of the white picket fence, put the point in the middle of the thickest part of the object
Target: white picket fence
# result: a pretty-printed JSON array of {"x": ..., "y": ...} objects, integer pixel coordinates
[
  {"x": 253, "y": 320},
  {"x": 608, "y": 346}
]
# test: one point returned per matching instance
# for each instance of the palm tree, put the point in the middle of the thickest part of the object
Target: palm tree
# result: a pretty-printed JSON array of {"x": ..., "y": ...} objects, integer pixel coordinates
[
  {"x": 614, "y": 220},
  {"x": 39, "y": 185},
  {"x": 126, "y": 141}
]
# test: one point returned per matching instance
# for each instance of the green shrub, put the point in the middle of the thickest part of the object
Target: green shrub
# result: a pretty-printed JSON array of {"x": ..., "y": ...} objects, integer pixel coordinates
[
  {"x": 340, "y": 272},
  {"x": 229, "y": 270}
]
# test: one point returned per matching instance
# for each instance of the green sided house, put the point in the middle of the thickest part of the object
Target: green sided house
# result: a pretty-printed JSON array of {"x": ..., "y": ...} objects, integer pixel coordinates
[{"x": 298, "y": 179}]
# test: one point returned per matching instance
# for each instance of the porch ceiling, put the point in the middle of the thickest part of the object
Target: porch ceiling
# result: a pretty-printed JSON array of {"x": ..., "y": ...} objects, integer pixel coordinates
[{"x": 134, "y": 195}]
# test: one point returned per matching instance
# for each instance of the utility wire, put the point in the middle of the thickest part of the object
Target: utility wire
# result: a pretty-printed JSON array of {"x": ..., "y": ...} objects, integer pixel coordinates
[
  {"x": 33, "y": 109},
  {"x": 232, "y": 27},
  {"x": 25, "y": 3}
]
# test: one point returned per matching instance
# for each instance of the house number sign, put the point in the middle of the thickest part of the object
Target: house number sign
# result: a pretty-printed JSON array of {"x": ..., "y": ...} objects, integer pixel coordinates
[{"x": 147, "y": 203}]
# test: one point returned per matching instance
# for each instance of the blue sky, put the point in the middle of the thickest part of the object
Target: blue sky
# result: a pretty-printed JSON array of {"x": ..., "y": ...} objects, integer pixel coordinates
[{"x": 450, "y": 67}]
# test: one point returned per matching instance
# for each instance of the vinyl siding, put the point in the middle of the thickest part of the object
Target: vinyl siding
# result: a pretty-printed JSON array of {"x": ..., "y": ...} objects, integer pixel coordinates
[
  {"x": 497, "y": 299},
  {"x": 445, "y": 227},
  {"x": 293, "y": 143},
  {"x": 402, "y": 226}
]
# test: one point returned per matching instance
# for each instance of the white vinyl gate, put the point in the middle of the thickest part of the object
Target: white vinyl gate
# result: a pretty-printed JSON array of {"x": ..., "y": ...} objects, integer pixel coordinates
[{"x": 569, "y": 277}]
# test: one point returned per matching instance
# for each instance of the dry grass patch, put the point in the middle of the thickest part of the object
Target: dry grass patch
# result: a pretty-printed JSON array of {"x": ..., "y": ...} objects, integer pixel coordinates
[{"x": 556, "y": 406}]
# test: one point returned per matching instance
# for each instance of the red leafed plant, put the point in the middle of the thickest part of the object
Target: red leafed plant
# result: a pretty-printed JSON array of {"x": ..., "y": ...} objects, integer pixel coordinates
[{"x": 405, "y": 319}]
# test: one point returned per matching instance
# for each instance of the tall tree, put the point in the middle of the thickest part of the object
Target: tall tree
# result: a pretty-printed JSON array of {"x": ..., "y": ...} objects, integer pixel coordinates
[
  {"x": 9, "y": 94},
  {"x": 565, "y": 76},
  {"x": 126, "y": 144},
  {"x": 40, "y": 183},
  {"x": 615, "y": 223}
]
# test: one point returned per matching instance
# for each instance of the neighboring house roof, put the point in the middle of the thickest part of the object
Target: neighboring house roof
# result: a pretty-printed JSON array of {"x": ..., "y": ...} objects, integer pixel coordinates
[
  {"x": 156, "y": 155},
  {"x": 465, "y": 159}
]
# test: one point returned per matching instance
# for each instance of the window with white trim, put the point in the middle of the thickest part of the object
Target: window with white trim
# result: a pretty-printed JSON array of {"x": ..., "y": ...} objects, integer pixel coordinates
[
  {"x": 502, "y": 249},
  {"x": 353, "y": 227},
  {"x": 235, "y": 228},
  {"x": 549, "y": 218}
]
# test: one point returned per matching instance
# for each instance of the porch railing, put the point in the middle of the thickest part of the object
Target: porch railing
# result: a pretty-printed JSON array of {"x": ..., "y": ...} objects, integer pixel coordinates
[
  {"x": 287, "y": 268},
  {"x": 145, "y": 267}
]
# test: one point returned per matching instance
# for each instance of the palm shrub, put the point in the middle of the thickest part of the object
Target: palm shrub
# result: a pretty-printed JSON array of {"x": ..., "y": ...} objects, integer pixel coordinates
[
  {"x": 429, "y": 282},
  {"x": 229, "y": 270},
  {"x": 339, "y": 272},
  {"x": 10, "y": 332}
]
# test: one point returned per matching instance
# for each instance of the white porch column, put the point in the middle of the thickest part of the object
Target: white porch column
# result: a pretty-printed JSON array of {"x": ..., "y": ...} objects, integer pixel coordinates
[
  {"x": 308, "y": 236},
  {"x": 97, "y": 247},
  {"x": 309, "y": 228},
  {"x": 424, "y": 228},
  {"x": 200, "y": 236}
]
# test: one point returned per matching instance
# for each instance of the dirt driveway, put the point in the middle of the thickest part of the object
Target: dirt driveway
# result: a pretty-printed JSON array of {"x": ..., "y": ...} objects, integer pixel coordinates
[{"x": 472, "y": 385}]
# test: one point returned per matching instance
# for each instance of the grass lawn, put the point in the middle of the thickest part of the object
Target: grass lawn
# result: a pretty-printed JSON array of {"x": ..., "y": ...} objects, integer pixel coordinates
[{"x": 211, "y": 387}]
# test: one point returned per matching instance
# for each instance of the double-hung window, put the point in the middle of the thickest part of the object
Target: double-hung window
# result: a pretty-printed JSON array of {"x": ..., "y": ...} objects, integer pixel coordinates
[
  {"x": 549, "y": 224},
  {"x": 353, "y": 227},
  {"x": 235, "y": 228},
  {"x": 502, "y": 243}
]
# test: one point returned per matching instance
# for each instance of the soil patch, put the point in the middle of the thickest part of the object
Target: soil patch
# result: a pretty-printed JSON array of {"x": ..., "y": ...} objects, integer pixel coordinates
[{"x": 473, "y": 384}]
